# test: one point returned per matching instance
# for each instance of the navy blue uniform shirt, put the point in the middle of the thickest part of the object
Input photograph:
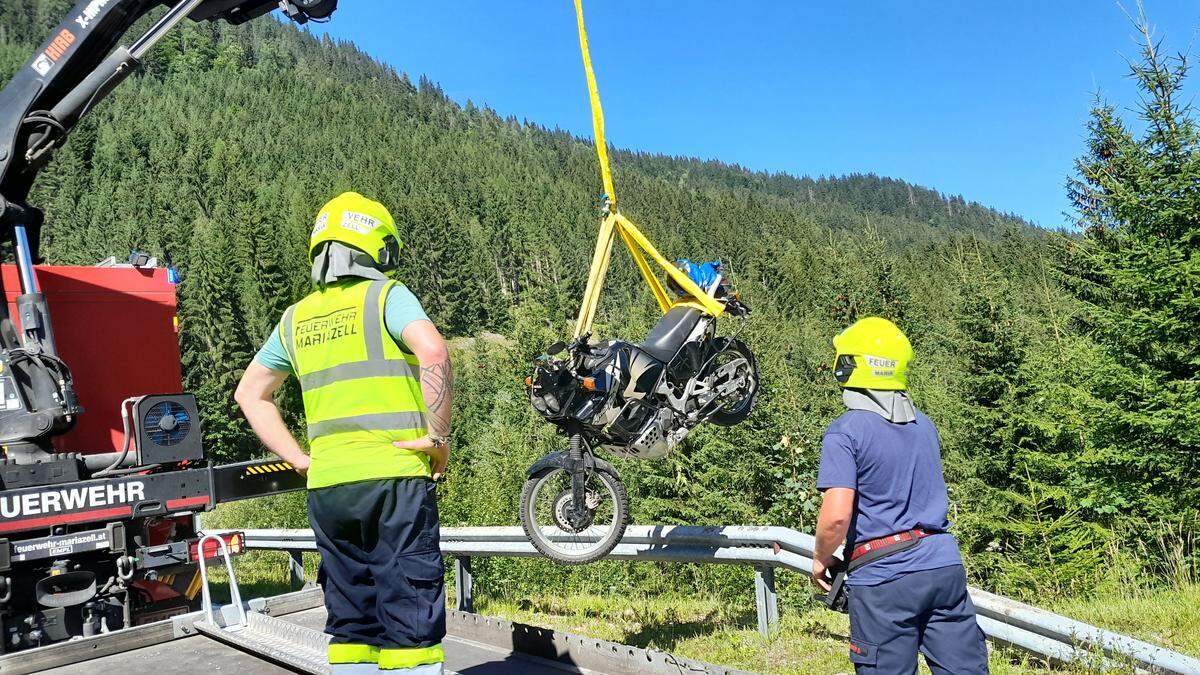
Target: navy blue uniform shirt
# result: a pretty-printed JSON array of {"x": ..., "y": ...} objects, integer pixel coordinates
[{"x": 896, "y": 471}]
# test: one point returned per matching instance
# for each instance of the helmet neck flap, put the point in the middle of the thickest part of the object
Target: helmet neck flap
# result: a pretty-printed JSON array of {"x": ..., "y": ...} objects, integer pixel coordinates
[
  {"x": 892, "y": 405},
  {"x": 336, "y": 261}
]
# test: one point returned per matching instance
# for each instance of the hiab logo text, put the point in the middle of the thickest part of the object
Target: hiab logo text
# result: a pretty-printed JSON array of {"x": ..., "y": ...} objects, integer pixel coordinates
[{"x": 53, "y": 52}]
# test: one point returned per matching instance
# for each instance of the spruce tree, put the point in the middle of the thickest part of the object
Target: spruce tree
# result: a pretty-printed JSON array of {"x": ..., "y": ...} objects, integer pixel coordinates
[
  {"x": 1138, "y": 270},
  {"x": 213, "y": 341}
]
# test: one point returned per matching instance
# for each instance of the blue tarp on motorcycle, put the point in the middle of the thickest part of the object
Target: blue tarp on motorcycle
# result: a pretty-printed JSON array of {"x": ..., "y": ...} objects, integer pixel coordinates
[{"x": 703, "y": 274}]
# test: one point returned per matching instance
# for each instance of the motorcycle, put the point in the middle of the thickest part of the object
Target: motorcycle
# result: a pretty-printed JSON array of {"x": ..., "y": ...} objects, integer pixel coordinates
[{"x": 637, "y": 401}]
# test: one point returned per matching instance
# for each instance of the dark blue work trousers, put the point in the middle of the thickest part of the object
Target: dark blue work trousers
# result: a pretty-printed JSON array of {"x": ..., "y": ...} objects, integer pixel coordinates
[
  {"x": 381, "y": 567},
  {"x": 927, "y": 612}
]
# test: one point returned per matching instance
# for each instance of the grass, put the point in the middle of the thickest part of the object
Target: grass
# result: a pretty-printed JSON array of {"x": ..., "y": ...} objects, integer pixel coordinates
[
  {"x": 698, "y": 628},
  {"x": 1167, "y": 617},
  {"x": 260, "y": 574},
  {"x": 813, "y": 640},
  {"x": 810, "y": 639}
]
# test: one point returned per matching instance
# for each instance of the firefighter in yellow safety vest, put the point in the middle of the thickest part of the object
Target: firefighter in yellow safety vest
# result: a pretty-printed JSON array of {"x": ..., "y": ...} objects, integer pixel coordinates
[{"x": 376, "y": 383}]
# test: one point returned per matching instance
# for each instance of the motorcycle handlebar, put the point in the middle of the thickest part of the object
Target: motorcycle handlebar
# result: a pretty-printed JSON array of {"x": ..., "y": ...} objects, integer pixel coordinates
[
  {"x": 736, "y": 307},
  {"x": 581, "y": 341}
]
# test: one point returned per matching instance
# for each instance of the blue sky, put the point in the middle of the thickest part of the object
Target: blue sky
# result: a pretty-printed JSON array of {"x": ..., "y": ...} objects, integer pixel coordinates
[{"x": 983, "y": 99}]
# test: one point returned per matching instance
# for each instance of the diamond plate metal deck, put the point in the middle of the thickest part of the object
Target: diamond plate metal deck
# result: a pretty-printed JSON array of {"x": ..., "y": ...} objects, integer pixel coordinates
[{"x": 274, "y": 639}]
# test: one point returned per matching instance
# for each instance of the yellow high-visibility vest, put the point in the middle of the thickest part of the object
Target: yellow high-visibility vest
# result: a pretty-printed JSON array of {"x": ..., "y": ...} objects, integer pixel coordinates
[{"x": 361, "y": 391}]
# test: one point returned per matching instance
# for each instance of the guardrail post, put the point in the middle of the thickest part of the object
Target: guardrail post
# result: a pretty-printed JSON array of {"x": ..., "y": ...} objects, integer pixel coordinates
[
  {"x": 296, "y": 566},
  {"x": 766, "y": 600},
  {"x": 463, "y": 582}
]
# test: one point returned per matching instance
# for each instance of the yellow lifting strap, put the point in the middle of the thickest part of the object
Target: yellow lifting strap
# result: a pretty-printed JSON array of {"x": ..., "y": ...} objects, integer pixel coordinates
[
  {"x": 597, "y": 109},
  {"x": 615, "y": 223}
]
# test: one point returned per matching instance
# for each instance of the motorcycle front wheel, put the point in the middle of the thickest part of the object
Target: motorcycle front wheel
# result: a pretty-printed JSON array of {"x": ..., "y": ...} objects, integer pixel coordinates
[{"x": 564, "y": 535}]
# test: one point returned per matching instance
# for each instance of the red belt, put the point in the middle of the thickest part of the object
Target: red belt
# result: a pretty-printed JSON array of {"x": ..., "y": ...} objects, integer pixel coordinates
[{"x": 883, "y": 543}]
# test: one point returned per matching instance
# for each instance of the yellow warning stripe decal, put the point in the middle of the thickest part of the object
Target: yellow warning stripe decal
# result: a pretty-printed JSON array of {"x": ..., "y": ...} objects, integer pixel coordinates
[
  {"x": 268, "y": 468},
  {"x": 193, "y": 588}
]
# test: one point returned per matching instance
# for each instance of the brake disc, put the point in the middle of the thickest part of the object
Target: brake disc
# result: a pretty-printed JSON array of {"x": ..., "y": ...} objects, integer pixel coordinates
[{"x": 563, "y": 511}]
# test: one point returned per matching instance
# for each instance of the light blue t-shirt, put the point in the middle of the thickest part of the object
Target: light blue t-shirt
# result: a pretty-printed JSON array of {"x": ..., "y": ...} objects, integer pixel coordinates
[
  {"x": 896, "y": 473},
  {"x": 400, "y": 309}
]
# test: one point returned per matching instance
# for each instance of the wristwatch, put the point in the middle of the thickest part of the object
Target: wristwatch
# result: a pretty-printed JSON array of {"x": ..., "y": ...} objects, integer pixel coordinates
[{"x": 439, "y": 442}]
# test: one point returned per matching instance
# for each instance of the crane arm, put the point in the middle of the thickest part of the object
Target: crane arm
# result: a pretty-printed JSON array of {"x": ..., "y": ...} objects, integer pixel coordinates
[{"x": 80, "y": 63}]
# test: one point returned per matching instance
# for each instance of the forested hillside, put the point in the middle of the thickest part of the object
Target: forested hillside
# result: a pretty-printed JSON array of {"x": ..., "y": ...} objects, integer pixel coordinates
[{"x": 218, "y": 156}]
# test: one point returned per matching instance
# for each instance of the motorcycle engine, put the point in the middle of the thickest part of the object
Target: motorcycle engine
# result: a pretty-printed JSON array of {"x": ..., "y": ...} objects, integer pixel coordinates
[
  {"x": 654, "y": 438},
  {"x": 600, "y": 398}
]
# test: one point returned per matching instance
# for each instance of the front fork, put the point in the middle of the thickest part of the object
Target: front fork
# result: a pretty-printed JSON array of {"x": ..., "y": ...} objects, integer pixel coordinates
[
  {"x": 579, "y": 462},
  {"x": 579, "y": 473}
]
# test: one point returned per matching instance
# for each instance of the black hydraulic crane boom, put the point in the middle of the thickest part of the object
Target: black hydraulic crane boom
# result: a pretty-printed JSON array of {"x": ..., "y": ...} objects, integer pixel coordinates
[{"x": 78, "y": 65}]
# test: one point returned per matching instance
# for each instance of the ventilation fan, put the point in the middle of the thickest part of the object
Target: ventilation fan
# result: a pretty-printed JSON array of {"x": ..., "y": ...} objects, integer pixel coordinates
[{"x": 167, "y": 429}]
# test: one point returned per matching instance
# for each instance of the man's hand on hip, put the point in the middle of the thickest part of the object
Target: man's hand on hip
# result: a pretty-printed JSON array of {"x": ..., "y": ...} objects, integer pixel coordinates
[
  {"x": 439, "y": 454},
  {"x": 300, "y": 463}
]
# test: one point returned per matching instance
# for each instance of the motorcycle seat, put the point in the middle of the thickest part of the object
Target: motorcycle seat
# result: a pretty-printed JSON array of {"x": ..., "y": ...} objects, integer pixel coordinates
[{"x": 671, "y": 331}]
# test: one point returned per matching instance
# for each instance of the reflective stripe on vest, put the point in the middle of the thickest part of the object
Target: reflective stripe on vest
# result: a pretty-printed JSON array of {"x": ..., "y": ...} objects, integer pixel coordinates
[
  {"x": 361, "y": 391},
  {"x": 355, "y": 371},
  {"x": 370, "y": 422}
]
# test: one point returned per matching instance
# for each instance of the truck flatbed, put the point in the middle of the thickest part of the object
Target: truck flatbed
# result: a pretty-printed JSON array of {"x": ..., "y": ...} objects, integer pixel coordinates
[
  {"x": 475, "y": 645},
  {"x": 202, "y": 654}
]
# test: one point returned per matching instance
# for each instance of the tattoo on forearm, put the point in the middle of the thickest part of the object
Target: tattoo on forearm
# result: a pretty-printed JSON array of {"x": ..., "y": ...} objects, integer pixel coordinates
[{"x": 437, "y": 383}]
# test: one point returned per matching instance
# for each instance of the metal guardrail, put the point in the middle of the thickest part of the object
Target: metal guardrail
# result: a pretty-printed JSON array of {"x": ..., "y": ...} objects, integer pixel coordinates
[{"x": 766, "y": 548}]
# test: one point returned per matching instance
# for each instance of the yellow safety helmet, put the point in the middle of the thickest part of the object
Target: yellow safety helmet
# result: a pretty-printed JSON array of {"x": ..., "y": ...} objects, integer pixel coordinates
[
  {"x": 362, "y": 223},
  {"x": 872, "y": 354}
]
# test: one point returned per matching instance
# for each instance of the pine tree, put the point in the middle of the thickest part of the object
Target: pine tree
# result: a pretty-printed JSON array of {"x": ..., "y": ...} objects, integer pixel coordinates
[
  {"x": 213, "y": 341},
  {"x": 1138, "y": 268}
]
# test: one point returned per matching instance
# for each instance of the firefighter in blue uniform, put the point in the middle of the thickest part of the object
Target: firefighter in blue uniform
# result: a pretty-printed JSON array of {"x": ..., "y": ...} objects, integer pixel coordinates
[
  {"x": 376, "y": 382},
  {"x": 884, "y": 495}
]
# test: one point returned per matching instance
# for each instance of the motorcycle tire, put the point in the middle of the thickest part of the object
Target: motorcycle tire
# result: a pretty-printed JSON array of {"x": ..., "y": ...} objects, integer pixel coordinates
[
  {"x": 737, "y": 411},
  {"x": 588, "y": 552}
]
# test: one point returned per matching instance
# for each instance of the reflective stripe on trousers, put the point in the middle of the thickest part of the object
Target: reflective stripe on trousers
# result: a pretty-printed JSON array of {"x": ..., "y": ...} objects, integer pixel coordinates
[
  {"x": 372, "y": 669},
  {"x": 342, "y": 653},
  {"x": 360, "y": 659},
  {"x": 410, "y": 659}
]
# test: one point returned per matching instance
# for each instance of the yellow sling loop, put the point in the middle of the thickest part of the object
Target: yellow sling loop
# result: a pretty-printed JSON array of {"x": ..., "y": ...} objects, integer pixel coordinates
[{"x": 615, "y": 223}]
